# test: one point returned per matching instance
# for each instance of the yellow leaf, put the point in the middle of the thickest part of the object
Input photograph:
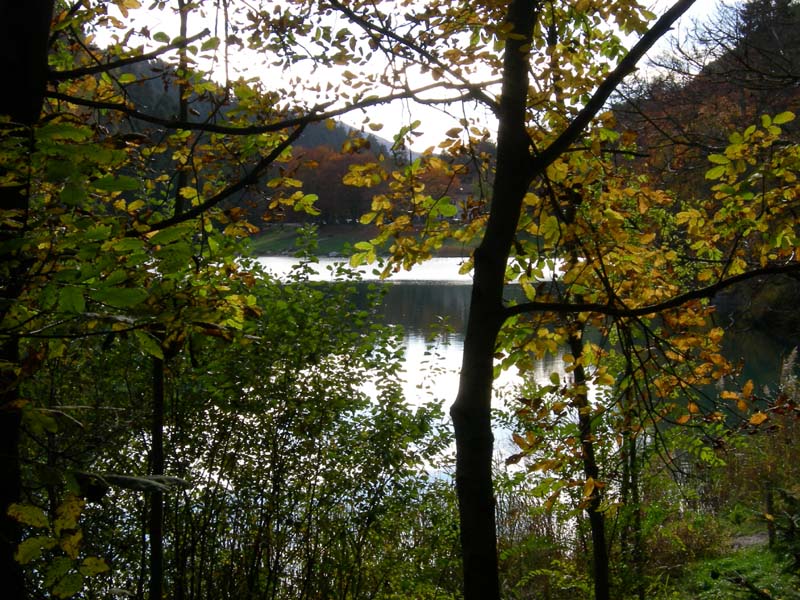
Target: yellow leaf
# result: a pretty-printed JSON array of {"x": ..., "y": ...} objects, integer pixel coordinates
[
  {"x": 747, "y": 390},
  {"x": 693, "y": 408},
  {"x": 71, "y": 542},
  {"x": 758, "y": 418},
  {"x": 588, "y": 488}
]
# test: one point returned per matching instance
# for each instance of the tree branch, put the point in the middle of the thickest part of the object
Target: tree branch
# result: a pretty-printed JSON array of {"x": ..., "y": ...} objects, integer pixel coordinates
[
  {"x": 251, "y": 178},
  {"x": 607, "y": 87},
  {"x": 613, "y": 310},
  {"x": 304, "y": 120},
  {"x": 105, "y": 67}
]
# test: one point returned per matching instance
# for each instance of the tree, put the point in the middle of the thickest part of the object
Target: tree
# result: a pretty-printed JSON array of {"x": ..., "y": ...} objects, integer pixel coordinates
[
  {"x": 623, "y": 249},
  {"x": 558, "y": 191}
]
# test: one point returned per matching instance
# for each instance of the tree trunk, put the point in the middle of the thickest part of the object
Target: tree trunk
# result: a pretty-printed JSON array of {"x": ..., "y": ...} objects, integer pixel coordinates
[
  {"x": 516, "y": 169},
  {"x": 471, "y": 411},
  {"x": 156, "y": 525},
  {"x": 24, "y": 32},
  {"x": 597, "y": 522}
]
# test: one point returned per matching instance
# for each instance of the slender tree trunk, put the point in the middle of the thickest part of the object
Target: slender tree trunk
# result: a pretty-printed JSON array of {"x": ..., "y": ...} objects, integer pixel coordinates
[
  {"x": 597, "y": 525},
  {"x": 471, "y": 411},
  {"x": 156, "y": 524},
  {"x": 24, "y": 32}
]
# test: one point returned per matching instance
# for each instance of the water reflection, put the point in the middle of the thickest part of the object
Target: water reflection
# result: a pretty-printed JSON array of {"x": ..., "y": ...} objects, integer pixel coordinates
[{"x": 432, "y": 301}]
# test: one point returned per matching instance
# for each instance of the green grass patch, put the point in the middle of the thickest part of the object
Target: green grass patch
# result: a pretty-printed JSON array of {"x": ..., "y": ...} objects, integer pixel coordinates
[{"x": 753, "y": 572}]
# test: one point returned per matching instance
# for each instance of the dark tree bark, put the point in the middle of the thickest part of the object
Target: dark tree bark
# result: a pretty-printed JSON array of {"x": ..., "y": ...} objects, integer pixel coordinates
[
  {"x": 156, "y": 524},
  {"x": 471, "y": 411},
  {"x": 516, "y": 168},
  {"x": 24, "y": 32},
  {"x": 597, "y": 522}
]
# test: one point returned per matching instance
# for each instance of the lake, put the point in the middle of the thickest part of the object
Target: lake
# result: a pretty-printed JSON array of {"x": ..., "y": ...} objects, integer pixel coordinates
[{"x": 435, "y": 294}]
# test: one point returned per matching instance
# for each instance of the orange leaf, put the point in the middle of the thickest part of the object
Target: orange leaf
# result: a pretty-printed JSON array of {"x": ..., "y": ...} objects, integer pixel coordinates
[
  {"x": 758, "y": 418},
  {"x": 683, "y": 419}
]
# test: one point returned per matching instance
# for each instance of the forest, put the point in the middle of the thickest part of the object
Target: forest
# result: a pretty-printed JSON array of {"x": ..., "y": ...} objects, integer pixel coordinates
[{"x": 178, "y": 422}]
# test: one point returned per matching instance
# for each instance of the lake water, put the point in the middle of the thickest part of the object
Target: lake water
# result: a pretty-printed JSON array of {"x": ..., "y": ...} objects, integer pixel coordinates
[{"x": 435, "y": 294}]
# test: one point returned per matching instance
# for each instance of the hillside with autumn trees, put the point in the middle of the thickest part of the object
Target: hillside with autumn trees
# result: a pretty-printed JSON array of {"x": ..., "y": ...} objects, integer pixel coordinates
[{"x": 176, "y": 421}]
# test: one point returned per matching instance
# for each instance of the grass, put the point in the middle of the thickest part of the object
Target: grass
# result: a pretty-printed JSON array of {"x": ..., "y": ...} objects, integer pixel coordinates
[{"x": 753, "y": 572}]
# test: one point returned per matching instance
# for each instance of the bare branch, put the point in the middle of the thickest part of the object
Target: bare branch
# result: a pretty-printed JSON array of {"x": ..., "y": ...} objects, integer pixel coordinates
[
  {"x": 116, "y": 64},
  {"x": 609, "y": 85},
  {"x": 616, "y": 310}
]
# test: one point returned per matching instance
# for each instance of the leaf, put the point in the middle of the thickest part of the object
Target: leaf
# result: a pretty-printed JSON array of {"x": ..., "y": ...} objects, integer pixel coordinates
[
  {"x": 167, "y": 236},
  {"x": 32, "y": 548},
  {"x": 716, "y": 172},
  {"x": 162, "y": 37},
  {"x": 28, "y": 514},
  {"x": 210, "y": 44},
  {"x": 59, "y": 566},
  {"x": 719, "y": 159},
  {"x": 148, "y": 344},
  {"x": 784, "y": 117},
  {"x": 68, "y": 586},
  {"x": 111, "y": 183},
  {"x": 72, "y": 194},
  {"x": 71, "y": 300},
  {"x": 119, "y": 297},
  {"x": 92, "y": 565},
  {"x": 588, "y": 488},
  {"x": 758, "y": 418},
  {"x": 68, "y": 513},
  {"x": 71, "y": 543}
]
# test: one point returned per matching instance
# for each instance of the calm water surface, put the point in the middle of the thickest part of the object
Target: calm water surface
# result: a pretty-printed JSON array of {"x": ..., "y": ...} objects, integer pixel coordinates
[{"x": 434, "y": 294}]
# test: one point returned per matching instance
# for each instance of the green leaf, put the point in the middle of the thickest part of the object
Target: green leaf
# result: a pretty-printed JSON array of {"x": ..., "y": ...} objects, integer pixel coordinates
[
  {"x": 57, "y": 569},
  {"x": 167, "y": 236},
  {"x": 72, "y": 194},
  {"x": 719, "y": 159},
  {"x": 28, "y": 514},
  {"x": 148, "y": 344},
  {"x": 71, "y": 300},
  {"x": 783, "y": 117},
  {"x": 127, "y": 78},
  {"x": 31, "y": 549},
  {"x": 119, "y": 297},
  {"x": 210, "y": 44},
  {"x": 162, "y": 37},
  {"x": 716, "y": 172},
  {"x": 92, "y": 565},
  {"x": 68, "y": 586},
  {"x": 64, "y": 131},
  {"x": 110, "y": 183}
]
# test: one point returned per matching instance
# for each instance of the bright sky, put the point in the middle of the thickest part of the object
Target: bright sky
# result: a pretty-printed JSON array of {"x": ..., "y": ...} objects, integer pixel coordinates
[{"x": 435, "y": 121}]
